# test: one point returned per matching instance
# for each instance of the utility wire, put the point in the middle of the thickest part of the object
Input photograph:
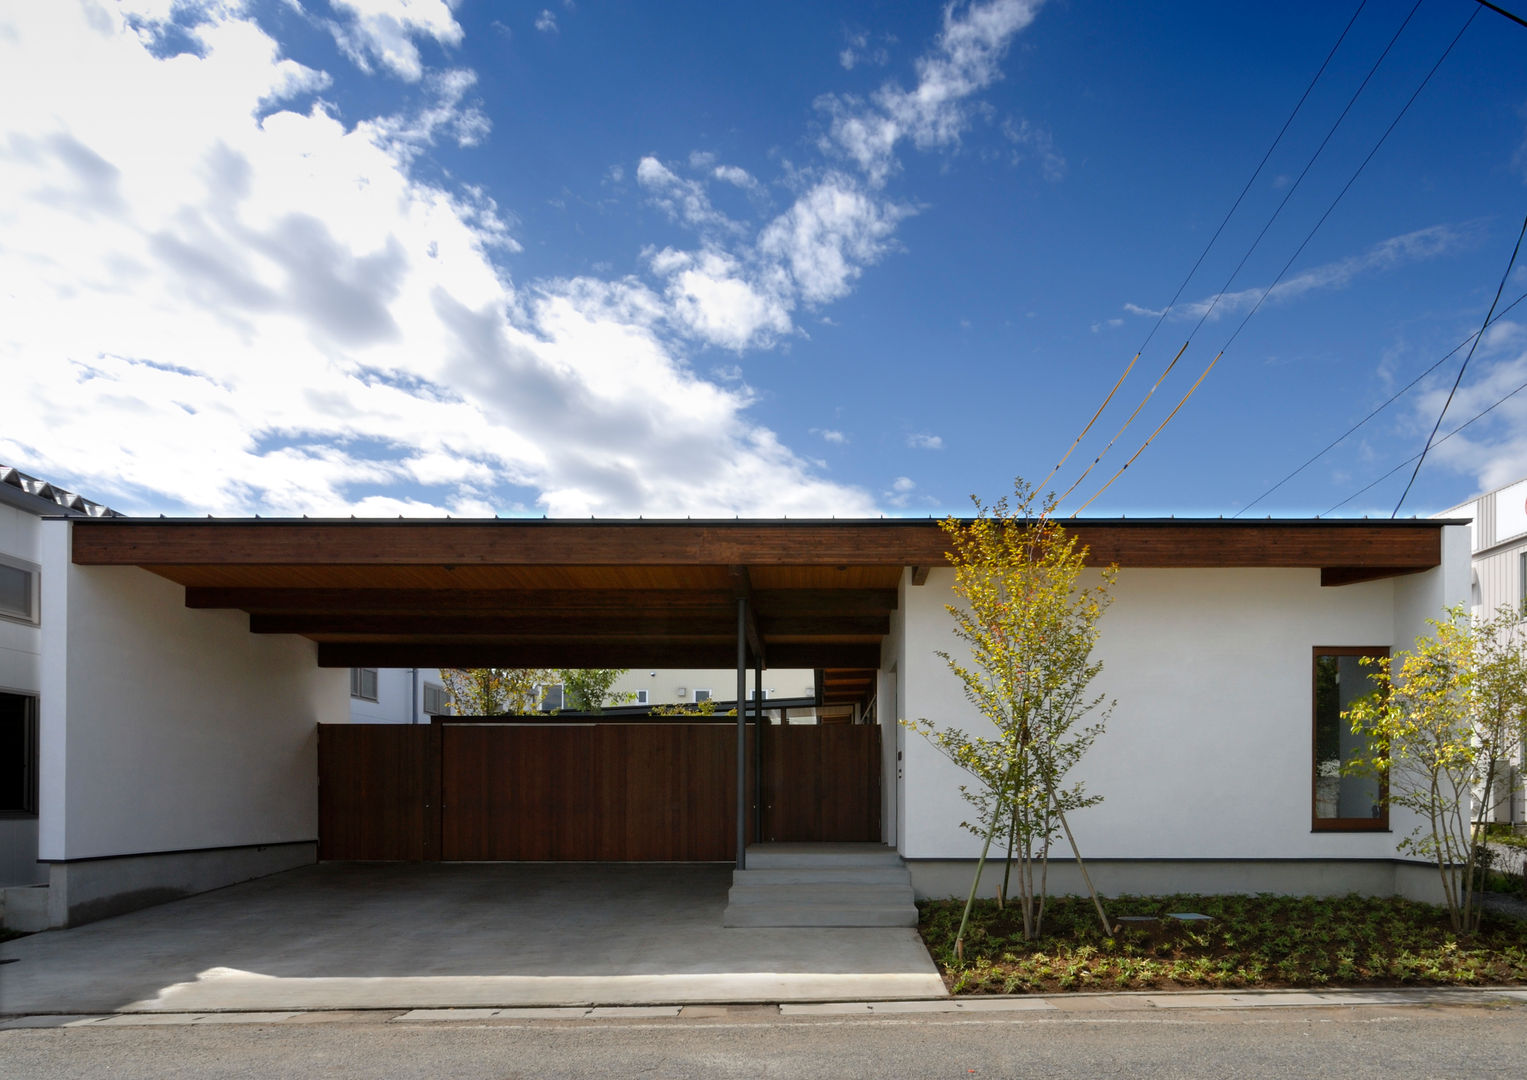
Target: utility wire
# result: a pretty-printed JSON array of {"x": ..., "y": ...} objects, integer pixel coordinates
[
  {"x": 1393, "y": 398},
  {"x": 1152, "y": 437},
  {"x": 1159, "y": 380},
  {"x": 1311, "y": 234},
  {"x": 1161, "y": 318},
  {"x": 1502, "y": 11},
  {"x": 1477, "y": 416},
  {"x": 1214, "y": 302},
  {"x": 1461, "y": 369},
  {"x": 1260, "y": 166},
  {"x": 1353, "y": 178}
]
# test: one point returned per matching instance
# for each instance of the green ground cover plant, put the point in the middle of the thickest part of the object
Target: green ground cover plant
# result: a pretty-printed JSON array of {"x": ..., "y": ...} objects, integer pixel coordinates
[{"x": 1252, "y": 942}]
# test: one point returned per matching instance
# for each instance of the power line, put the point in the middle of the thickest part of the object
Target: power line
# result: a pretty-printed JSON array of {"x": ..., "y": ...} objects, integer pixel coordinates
[
  {"x": 1353, "y": 178},
  {"x": 1462, "y": 368},
  {"x": 1214, "y": 302},
  {"x": 1152, "y": 437},
  {"x": 1311, "y": 234},
  {"x": 1254, "y": 244},
  {"x": 1502, "y": 11},
  {"x": 1196, "y": 264},
  {"x": 1260, "y": 166},
  {"x": 1393, "y": 398},
  {"x": 1477, "y": 416}
]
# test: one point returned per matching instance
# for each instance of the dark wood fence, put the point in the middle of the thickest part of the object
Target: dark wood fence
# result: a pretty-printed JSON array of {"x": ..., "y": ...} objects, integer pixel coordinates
[{"x": 666, "y": 792}]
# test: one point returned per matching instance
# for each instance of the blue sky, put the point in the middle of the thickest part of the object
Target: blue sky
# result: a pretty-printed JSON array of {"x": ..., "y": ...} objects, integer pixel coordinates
[{"x": 573, "y": 258}]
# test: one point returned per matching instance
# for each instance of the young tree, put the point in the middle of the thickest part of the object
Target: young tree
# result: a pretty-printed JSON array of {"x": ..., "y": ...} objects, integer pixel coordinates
[
  {"x": 495, "y": 691},
  {"x": 1030, "y": 629},
  {"x": 588, "y": 689},
  {"x": 1440, "y": 730}
]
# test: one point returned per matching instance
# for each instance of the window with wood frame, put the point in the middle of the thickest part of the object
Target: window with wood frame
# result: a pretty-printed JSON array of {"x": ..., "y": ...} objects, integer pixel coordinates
[{"x": 1343, "y": 803}]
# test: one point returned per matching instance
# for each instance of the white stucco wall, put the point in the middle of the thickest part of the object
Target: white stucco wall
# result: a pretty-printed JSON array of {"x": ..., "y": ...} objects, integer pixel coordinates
[
  {"x": 1208, "y": 752},
  {"x": 167, "y": 729}
]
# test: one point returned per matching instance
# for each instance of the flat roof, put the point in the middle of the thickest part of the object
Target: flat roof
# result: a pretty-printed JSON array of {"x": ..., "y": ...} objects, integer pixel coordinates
[{"x": 532, "y": 592}]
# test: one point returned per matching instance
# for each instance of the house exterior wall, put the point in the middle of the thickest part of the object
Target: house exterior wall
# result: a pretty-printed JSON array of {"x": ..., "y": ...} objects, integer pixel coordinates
[
  {"x": 1207, "y": 756},
  {"x": 172, "y": 739},
  {"x": 1498, "y": 545},
  {"x": 20, "y": 673},
  {"x": 663, "y": 685},
  {"x": 394, "y": 689}
]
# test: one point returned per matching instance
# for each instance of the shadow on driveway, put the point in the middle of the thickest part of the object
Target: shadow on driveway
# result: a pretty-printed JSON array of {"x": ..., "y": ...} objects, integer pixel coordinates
[{"x": 409, "y": 935}]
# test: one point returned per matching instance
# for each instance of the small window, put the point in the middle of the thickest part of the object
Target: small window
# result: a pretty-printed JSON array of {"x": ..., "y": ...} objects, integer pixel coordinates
[
  {"x": 18, "y": 755},
  {"x": 18, "y": 590},
  {"x": 762, "y": 695},
  {"x": 363, "y": 683},
  {"x": 436, "y": 701},
  {"x": 641, "y": 697},
  {"x": 702, "y": 695},
  {"x": 552, "y": 701},
  {"x": 1343, "y": 802}
]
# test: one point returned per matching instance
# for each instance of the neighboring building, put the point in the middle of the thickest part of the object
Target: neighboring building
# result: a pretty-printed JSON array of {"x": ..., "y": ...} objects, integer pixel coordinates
[
  {"x": 24, "y": 502},
  {"x": 186, "y": 673},
  {"x": 383, "y": 695},
  {"x": 1498, "y": 578}
]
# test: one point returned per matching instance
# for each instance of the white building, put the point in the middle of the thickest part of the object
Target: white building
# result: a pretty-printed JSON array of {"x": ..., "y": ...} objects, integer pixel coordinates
[
  {"x": 1498, "y": 578},
  {"x": 397, "y": 695},
  {"x": 185, "y": 672}
]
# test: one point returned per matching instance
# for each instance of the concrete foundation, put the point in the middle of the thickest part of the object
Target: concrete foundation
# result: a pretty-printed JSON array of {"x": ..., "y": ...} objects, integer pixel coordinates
[
  {"x": 89, "y": 889},
  {"x": 940, "y": 878}
]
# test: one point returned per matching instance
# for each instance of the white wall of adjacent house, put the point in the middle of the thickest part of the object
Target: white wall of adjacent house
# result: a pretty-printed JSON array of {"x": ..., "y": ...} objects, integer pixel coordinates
[
  {"x": 167, "y": 729},
  {"x": 1208, "y": 753},
  {"x": 678, "y": 686},
  {"x": 401, "y": 695},
  {"x": 20, "y": 674}
]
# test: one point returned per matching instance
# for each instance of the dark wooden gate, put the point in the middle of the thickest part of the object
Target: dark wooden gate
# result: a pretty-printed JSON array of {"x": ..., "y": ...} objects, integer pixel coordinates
[
  {"x": 821, "y": 782},
  {"x": 662, "y": 792}
]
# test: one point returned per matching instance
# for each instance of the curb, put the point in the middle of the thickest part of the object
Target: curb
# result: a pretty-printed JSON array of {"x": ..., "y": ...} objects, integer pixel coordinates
[{"x": 1138, "y": 1001}]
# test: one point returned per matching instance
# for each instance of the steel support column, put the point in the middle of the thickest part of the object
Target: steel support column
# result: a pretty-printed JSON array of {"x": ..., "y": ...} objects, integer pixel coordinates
[
  {"x": 742, "y": 732},
  {"x": 758, "y": 723}
]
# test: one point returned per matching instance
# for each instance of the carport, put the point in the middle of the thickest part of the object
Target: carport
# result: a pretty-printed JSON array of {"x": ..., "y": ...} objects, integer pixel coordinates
[{"x": 534, "y": 593}]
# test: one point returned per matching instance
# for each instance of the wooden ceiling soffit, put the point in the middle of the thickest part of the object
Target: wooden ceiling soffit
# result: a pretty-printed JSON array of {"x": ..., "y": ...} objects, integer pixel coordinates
[
  {"x": 652, "y": 622},
  {"x": 776, "y": 603},
  {"x": 584, "y": 653},
  {"x": 1352, "y": 575},
  {"x": 1401, "y": 546}
]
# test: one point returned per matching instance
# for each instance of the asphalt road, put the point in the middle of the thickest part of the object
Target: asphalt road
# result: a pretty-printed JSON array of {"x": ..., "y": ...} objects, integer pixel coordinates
[{"x": 1475, "y": 1042}]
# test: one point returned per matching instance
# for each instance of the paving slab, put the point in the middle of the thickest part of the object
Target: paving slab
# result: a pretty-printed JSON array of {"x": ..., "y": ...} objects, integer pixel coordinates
[{"x": 440, "y": 935}]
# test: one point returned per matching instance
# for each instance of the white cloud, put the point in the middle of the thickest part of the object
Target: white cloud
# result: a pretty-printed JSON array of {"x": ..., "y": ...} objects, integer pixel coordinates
[
  {"x": 221, "y": 308},
  {"x": 738, "y": 177},
  {"x": 925, "y": 441},
  {"x": 383, "y": 30},
  {"x": 831, "y": 435},
  {"x": 859, "y": 50},
  {"x": 900, "y": 493},
  {"x": 467, "y": 125},
  {"x": 964, "y": 61},
  {"x": 826, "y": 238},
  {"x": 1028, "y": 138},
  {"x": 546, "y": 22},
  {"x": 1493, "y": 449},
  {"x": 683, "y": 200},
  {"x": 1418, "y": 246}
]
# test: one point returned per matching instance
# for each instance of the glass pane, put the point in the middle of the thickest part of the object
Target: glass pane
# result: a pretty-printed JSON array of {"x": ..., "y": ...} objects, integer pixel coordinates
[
  {"x": 16, "y": 591},
  {"x": 1339, "y": 681}
]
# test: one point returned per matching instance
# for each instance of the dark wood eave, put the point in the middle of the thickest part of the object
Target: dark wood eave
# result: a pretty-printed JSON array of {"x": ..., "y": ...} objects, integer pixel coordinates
[{"x": 622, "y": 593}]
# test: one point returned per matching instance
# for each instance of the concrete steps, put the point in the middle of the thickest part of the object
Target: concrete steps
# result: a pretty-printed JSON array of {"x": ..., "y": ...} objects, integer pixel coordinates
[{"x": 822, "y": 885}]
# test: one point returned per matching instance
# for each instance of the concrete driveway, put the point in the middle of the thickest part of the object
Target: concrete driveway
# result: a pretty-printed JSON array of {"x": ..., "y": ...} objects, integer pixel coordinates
[{"x": 411, "y": 935}]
